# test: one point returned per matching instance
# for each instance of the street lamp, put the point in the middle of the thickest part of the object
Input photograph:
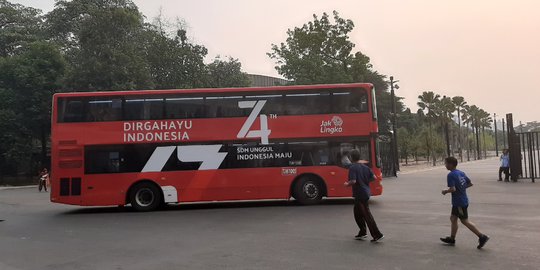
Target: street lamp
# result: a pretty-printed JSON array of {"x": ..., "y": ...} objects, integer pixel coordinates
[{"x": 393, "y": 84}]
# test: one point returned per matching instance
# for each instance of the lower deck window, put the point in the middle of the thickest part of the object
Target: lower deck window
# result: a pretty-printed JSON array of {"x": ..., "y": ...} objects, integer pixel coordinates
[{"x": 133, "y": 158}]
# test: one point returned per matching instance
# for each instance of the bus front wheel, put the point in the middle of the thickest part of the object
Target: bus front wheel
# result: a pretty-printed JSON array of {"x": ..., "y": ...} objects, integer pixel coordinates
[
  {"x": 145, "y": 197},
  {"x": 308, "y": 190}
]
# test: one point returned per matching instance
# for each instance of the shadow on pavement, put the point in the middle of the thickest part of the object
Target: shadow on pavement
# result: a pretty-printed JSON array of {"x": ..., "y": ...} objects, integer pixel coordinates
[{"x": 207, "y": 205}]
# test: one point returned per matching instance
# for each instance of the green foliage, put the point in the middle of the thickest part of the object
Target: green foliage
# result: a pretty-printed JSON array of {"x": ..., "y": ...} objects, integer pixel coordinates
[
  {"x": 434, "y": 122},
  {"x": 19, "y": 25},
  {"x": 172, "y": 61},
  {"x": 100, "y": 38},
  {"x": 226, "y": 74},
  {"x": 320, "y": 52},
  {"x": 405, "y": 141},
  {"x": 428, "y": 102},
  {"x": 30, "y": 78},
  {"x": 15, "y": 141},
  {"x": 88, "y": 45}
]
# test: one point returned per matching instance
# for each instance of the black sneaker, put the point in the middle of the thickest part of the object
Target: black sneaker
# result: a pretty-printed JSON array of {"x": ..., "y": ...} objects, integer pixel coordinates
[
  {"x": 482, "y": 240},
  {"x": 377, "y": 239},
  {"x": 449, "y": 240},
  {"x": 360, "y": 236}
]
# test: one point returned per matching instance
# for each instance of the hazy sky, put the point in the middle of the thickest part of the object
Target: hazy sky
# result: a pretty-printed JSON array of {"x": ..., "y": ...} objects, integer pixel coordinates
[{"x": 485, "y": 50}]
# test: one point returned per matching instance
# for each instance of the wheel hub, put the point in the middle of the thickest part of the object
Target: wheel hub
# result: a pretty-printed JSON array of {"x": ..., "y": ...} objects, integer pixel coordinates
[
  {"x": 311, "y": 190},
  {"x": 144, "y": 197}
]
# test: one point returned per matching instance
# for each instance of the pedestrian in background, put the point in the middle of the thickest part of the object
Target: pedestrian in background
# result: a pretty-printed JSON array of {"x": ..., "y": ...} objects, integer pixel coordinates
[
  {"x": 505, "y": 166},
  {"x": 360, "y": 176},
  {"x": 43, "y": 179}
]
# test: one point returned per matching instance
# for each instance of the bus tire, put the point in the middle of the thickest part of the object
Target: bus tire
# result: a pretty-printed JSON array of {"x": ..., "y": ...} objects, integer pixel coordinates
[
  {"x": 308, "y": 190},
  {"x": 145, "y": 197}
]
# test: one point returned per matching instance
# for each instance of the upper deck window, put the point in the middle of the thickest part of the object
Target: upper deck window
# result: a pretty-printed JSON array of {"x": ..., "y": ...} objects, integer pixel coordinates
[
  {"x": 100, "y": 110},
  {"x": 178, "y": 106}
]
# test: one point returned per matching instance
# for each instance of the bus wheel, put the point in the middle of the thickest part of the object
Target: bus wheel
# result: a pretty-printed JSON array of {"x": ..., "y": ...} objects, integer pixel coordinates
[
  {"x": 145, "y": 197},
  {"x": 308, "y": 190}
]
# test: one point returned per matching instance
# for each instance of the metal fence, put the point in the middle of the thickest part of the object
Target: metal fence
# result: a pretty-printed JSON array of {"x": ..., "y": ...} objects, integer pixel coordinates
[
  {"x": 529, "y": 143},
  {"x": 387, "y": 158}
]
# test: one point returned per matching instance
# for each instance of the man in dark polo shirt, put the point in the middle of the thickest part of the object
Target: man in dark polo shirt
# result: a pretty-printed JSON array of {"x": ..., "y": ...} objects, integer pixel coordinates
[{"x": 360, "y": 176}]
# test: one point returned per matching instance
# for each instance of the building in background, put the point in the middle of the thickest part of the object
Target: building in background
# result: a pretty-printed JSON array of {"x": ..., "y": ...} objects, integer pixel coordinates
[{"x": 261, "y": 80}]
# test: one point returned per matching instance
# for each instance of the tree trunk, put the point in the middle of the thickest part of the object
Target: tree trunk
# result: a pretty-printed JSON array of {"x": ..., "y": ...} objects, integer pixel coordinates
[
  {"x": 43, "y": 139},
  {"x": 468, "y": 143},
  {"x": 460, "y": 147},
  {"x": 478, "y": 154},
  {"x": 484, "y": 143},
  {"x": 431, "y": 143},
  {"x": 448, "y": 154}
]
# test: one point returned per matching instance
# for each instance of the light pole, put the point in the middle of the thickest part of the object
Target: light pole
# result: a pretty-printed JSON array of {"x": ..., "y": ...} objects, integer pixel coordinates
[{"x": 393, "y": 84}]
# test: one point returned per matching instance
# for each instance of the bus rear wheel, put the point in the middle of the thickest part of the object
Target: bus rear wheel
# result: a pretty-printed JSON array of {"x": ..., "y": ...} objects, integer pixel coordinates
[
  {"x": 145, "y": 197},
  {"x": 308, "y": 190}
]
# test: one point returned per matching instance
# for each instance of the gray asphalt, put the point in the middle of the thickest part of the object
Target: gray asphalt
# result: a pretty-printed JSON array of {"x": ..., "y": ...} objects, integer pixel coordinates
[{"x": 412, "y": 213}]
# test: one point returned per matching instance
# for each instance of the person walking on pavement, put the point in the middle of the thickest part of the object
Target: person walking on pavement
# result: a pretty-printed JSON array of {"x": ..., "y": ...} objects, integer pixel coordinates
[
  {"x": 43, "y": 179},
  {"x": 360, "y": 176},
  {"x": 458, "y": 182},
  {"x": 505, "y": 166}
]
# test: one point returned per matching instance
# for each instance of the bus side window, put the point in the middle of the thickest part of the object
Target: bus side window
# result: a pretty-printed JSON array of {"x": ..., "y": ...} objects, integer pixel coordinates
[
  {"x": 341, "y": 102},
  {"x": 308, "y": 153},
  {"x": 341, "y": 153},
  {"x": 349, "y": 102},
  {"x": 184, "y": 107},
  {"x": 143, "y": 109},
  {"x": 102, "y": 161},
  {"x": 275, "y": 104},
  {"x": 104, "y": 110},
  {"x": 223, "y": 106},
  {"x": 294, "y": 104},
  {"x": 358, "y": 102},
  {"x": 71, "y": 110}
]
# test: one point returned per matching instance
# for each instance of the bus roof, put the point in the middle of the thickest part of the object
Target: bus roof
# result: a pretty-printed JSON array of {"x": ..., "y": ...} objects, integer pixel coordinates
[{"x": 214, "y": 90}]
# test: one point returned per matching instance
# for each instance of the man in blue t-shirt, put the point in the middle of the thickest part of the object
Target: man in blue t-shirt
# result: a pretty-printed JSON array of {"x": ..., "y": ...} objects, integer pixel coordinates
[
  {"x": 505, "y": 166},
  {"x": 360, "y": 176},
  {"x": 458, "y": 183}
]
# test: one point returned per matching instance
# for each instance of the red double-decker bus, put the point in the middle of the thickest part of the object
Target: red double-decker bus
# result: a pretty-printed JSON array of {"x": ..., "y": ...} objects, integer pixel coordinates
[{"x": 148, "y": 148}]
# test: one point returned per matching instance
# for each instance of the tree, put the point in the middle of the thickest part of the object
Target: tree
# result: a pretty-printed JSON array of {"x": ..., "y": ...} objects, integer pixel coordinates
[
  {"x": 485, "y": 121},
  {"x": 459, "y": 102},
  {"x": 320, "y": 52},
  {"x": 87, "y": 46},
  {"x": 405, "y": 143},
  {"x": 19, "y": 26},
  {"x": 32, "y": 78},
  {"x": 15, "y": 140},
  {"x": 474, "y": 118},
  {"x": 173, "y": 61},
  {"x": 428, "y": 102},
  {"x": 465, "y": 117},
  {"x": 30, "y": 70},
  {"x": 100, "y": 39},
  {"x": 446, "y": 108},
  {"x": 226, "y": 74}
]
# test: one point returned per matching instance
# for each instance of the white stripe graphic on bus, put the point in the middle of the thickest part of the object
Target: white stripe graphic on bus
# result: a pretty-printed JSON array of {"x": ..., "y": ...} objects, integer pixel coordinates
[{"x": 209, "y": 155}]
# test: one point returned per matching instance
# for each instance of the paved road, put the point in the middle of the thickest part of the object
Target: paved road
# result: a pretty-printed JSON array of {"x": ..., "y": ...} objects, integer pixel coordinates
[{"x": 279, "y": 235}]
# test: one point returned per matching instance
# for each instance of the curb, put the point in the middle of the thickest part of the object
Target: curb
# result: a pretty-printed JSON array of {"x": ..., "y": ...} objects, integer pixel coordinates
[
  {"x": 18, "y": 187},
  {"x": 442, "y": 166}
]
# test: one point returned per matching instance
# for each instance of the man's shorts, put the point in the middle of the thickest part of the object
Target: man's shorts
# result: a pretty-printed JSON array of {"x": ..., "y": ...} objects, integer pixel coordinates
[{"x": 460, "y": 212}]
